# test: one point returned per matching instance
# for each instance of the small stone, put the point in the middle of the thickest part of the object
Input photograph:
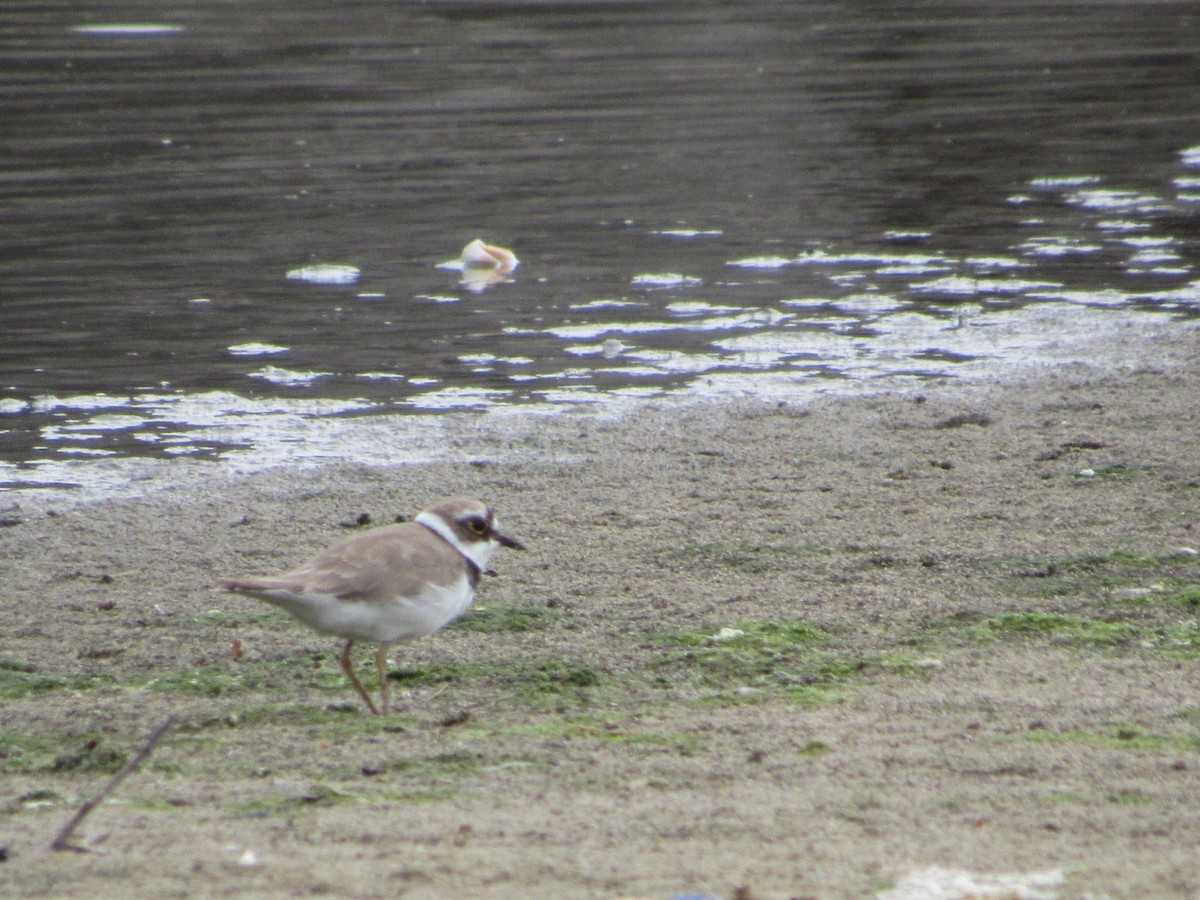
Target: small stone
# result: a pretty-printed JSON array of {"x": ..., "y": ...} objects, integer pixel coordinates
[{"x": 727, "y": 634}]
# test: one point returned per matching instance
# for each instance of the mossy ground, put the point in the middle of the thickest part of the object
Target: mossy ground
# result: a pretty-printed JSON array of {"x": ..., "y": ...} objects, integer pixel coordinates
[{"x": 787, "y": 653}]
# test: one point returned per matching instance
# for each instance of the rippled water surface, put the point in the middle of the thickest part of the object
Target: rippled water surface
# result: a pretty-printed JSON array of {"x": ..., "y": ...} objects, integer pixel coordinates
[{"x": 222, "y": 230}]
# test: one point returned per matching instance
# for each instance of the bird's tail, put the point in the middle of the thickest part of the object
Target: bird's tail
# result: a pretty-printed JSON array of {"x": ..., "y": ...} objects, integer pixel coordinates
[{"x": 250, "y": 584}]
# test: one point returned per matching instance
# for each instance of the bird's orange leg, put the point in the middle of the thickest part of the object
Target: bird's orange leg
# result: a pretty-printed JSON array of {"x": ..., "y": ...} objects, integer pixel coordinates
[
  {"x": 348, "y": 668},
  {"x": 381, "y": 667}
]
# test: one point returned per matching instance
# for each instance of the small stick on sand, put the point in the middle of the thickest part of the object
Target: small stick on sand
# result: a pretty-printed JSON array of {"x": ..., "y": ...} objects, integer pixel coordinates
[{"x": 61, "y": 842}]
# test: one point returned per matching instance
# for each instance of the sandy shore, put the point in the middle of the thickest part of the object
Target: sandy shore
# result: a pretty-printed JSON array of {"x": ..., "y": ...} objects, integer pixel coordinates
[{"x": 753, "y": 650}]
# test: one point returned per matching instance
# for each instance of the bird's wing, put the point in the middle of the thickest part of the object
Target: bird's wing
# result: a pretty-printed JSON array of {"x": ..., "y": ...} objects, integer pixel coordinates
[{"x": 371, "y": 567}]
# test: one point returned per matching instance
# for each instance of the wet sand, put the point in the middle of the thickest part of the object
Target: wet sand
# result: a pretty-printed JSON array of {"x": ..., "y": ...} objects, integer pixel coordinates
[{"x": 959, "y": 631}]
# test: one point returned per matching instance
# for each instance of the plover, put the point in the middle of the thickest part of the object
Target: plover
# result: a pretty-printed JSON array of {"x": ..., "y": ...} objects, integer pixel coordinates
[{"x": 391, "y": 584}]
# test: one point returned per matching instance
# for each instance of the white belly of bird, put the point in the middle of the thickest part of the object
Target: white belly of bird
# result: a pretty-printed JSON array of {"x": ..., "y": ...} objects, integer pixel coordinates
[{"x": 389, "y": 621}]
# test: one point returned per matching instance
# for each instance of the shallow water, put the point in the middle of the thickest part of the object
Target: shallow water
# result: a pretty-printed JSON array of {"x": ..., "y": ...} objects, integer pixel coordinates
[{"x": 817, "y": 195}]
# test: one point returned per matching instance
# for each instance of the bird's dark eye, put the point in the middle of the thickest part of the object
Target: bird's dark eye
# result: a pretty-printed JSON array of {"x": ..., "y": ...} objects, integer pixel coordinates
[{"x": 477, "y": 526}]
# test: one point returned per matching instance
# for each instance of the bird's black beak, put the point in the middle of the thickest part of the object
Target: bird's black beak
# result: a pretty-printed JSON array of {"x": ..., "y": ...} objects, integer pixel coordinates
[{"x": 505, "y": 541}]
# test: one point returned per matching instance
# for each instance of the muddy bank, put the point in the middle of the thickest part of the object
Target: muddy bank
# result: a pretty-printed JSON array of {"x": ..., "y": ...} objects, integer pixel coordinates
[{"x": 802, "y": 650}]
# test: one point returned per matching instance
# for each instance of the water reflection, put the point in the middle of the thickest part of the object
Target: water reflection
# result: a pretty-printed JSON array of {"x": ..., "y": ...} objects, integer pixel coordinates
[{"x": 224, "y": 229}]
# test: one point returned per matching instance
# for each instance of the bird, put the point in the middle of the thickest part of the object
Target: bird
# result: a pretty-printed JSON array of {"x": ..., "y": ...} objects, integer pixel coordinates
[
  {"x": 482, "y": 265},
  {"x": 391, "y": 584},
  {"x": 489, "y": 256}
]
